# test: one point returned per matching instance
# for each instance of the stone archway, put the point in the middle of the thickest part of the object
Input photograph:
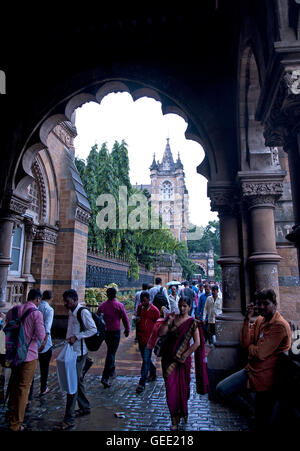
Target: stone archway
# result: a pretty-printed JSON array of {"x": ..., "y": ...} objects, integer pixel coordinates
[{"x": 187, "y": 59}]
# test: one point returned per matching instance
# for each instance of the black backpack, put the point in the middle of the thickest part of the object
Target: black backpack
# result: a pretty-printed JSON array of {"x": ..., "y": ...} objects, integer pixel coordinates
[
  {"x": 94, "y": 342},
  {"x": 160, "y": 300}
]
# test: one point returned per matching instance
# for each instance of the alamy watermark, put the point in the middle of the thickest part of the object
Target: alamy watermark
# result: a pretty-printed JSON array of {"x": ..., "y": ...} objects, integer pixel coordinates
[
  {"x": 2, "y": 82},
  {"x": 134, "y": 213}
]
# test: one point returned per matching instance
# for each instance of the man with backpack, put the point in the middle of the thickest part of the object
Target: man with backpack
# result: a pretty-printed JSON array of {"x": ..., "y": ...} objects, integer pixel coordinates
[
  {"x": 159, "y": 295},
  {"x": 76, "y": 337},
  {"x": 24, "y": 329}
]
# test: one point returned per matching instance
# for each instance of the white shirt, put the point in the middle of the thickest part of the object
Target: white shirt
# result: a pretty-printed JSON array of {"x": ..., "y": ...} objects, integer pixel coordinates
[
  {"x": 74, "y": 329},
  {"x": 48, "y": 312},
  {"x": 212, "y": 308},
  {"x": 173, "y": 303}
]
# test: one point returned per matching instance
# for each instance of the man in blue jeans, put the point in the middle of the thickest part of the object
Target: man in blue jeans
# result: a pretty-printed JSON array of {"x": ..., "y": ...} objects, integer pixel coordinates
[
  {"x": 269, "y": 336},
  {"x": 147, "y": 315}
]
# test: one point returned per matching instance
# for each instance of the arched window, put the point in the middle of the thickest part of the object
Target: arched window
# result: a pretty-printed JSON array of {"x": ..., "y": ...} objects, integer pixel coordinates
[{"x": 166, "y": 190}]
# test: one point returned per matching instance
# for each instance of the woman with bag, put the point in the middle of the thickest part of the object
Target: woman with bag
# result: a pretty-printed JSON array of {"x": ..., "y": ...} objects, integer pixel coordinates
[{"x": 176, "y": 360}]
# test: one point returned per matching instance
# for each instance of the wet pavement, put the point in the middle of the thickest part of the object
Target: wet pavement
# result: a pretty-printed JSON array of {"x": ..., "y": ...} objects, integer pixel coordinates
[{"x": 145, "y": 412}]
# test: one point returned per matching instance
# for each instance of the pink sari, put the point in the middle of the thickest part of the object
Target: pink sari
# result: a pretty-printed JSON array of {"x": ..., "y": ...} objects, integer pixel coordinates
[{"x": 178, "y": 375}]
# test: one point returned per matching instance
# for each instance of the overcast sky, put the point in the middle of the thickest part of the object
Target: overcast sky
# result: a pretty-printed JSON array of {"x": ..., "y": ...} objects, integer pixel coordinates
[{"x": 145, "y": 129}]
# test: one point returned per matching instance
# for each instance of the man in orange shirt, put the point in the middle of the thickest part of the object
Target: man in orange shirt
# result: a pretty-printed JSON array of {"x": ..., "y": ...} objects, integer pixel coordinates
[{"x": 265, "y": 340}]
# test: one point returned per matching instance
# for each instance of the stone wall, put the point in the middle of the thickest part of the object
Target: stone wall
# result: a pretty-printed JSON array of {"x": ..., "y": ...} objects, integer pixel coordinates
[{"x": 288, "y": 273}]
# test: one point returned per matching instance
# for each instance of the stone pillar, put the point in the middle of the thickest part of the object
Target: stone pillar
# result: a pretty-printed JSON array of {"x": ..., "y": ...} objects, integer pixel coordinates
[
  {"x": 30, "y": 232},
  {"x": 6, "y": 230},
  {"x": 12, "y": 211},
  {"x": 224, "y": 358},
  {"x": 260, "y": 191}
]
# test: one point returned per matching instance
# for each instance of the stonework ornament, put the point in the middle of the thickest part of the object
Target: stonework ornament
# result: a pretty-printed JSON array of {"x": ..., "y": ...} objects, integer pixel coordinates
[
  {"x": 262, "y": 193},
  {"x": 46, "y": 235},
  {"x": 82, "y": 216},
  {"x": 292, "y": 80}
]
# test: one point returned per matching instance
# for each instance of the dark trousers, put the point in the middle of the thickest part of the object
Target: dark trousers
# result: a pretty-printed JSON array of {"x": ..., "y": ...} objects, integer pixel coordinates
[
  {"x": 112, "y": 340},
  {"x": 79, "y": 396},
  {"x": 211, "y": 332},
  {"x": 147, "y": 365},
  {"x": 44, "y": 361}
]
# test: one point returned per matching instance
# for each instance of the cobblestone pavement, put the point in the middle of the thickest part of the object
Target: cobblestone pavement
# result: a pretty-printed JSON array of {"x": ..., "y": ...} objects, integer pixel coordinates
[{"x": 145, "y": 412}]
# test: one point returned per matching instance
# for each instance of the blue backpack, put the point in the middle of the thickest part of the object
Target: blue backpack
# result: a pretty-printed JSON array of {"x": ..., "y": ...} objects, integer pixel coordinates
[{"x": 15, "y": 338}]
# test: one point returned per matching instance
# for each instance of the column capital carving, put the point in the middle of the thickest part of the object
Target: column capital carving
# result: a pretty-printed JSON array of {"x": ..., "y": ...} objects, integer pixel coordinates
[
  {"x": 30, "y": 229},
  {"x": 261, "y": 189},
  {"x": 223, "y": 198},
  {"x": 46, "y": 234}
]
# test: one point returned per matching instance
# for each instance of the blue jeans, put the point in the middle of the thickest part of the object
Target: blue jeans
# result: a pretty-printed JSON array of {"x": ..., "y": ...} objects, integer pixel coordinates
[
  {"x": 234, "y": 391},
  {"x": 147, "y": 364}
]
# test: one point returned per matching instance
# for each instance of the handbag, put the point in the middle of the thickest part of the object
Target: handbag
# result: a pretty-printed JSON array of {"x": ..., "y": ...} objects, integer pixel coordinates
[{"x": 159, "y": 346}]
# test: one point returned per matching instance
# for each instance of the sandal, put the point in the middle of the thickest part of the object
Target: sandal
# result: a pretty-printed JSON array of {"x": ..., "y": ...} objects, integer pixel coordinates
[
  {"x": 45, "y": 392},
  {"x": 81, "y": 412},
  {"x": 63, "y": 426}
]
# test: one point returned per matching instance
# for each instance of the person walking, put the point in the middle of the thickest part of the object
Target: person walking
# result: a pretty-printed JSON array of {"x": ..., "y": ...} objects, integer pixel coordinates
[
  {"x": 113, "y": 312},
  {"x": 156, "y": 289},
  {"x": 173, "y": 300},
  {"x": 269, "y": 336},
  {"x": 76, "y": 339},
  {"x": 176, "y": 360},
  {"x": 22, "y": 375},
  {"x": 212, "y": 308},
  {"x": 201, "y": 303},
  {"x": 45, "y": 349},
  {"x": 147, "y": 315}
]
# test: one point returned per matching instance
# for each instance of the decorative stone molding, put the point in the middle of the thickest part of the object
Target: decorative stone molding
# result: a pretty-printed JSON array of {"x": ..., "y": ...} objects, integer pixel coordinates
[
  {"x": 262, "y": 193},
  {"x": 38, "y": 175},
  {"x": 82, "y": 216},
  {"x": 223, "y": 199},
  {"x": 30, "y": 229},
  {"x": 46, "y": 234},
  {"x": 17, "y": 205},
  {"x": 292, "y": 79},
  {"x": 66, "y": 132}
]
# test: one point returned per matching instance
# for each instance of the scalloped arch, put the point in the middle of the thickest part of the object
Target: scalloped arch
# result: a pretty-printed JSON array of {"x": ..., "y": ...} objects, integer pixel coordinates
[
  {"x": 80, "y": 98},
  {"x": 110, "y": 87}
]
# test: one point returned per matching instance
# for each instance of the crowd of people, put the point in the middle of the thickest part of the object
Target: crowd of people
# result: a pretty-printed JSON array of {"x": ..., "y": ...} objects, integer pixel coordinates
[{"x": 172, "y": 322}]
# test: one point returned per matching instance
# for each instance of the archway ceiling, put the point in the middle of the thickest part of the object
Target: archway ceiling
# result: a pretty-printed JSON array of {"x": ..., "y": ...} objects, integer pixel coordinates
[{"x": 186, "y": 55}]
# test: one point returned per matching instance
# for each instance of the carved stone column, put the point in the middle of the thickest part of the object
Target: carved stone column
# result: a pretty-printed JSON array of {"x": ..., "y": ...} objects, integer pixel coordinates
[
  {"x": 224, "y": 357},
  {"x": 30, "y": 232},
  {"x": 13, "y": 209},
  {"x": 260, "y": 191}
]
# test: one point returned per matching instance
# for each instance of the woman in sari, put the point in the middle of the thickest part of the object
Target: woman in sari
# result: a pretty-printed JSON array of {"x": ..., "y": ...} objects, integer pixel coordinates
[{"x": 176, "y": 360}]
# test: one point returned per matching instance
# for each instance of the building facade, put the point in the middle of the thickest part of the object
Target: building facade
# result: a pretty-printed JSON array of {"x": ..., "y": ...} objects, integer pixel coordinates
[{"x": 169, "y": 195}]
